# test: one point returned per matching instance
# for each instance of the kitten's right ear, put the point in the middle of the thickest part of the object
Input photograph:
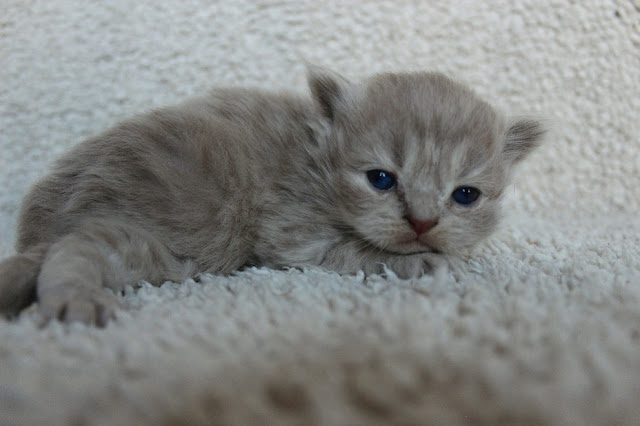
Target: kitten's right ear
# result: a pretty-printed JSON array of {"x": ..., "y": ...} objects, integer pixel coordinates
[
  {"x": 327, "y": 88},
  {"x": 523, "y": 136}
]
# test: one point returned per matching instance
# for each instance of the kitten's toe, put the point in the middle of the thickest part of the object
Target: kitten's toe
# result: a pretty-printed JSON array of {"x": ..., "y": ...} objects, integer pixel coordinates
[
  {"x": 89, "y": 306},
  {"x": 51, "y": 308},
  {"x": 106, "y": 312},
  {"x": 79, "y": 311},
  {"x": 415, "y": 266}
]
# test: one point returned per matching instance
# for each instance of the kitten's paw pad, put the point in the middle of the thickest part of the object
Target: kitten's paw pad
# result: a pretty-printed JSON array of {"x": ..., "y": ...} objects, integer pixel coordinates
[{"x": 89, "y": 306}]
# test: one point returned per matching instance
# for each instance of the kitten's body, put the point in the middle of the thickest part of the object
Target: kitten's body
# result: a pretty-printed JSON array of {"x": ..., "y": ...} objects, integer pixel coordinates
[{"x": 243, "y": 177}]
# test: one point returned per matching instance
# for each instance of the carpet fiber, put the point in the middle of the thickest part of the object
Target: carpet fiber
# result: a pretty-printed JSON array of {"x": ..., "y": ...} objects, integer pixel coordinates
[{"x": 540, "y": 325}]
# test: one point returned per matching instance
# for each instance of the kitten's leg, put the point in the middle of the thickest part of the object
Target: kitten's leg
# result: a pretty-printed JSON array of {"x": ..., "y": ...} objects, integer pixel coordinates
[
  {"x": 351, "y": 257},
  {"x": 101, "y": 254},
  {"x": 18, "y": 278}
]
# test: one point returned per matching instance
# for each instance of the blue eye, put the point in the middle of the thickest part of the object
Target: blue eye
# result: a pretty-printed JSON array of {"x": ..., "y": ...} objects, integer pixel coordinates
[
  {"x": 465, "y": 195},
  {"x": 381, "y": 180}
]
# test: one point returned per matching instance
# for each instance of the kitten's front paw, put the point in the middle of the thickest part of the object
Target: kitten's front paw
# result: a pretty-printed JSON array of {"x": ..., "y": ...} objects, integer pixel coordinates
[
  {"x": 71, "y": 303},
  {"x": 414, "y": 265}
]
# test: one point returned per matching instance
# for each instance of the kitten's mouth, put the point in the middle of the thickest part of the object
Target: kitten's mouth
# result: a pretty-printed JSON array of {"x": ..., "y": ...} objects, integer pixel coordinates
[
  {"x": 407, "y": 244},
  {"x": 411, "y": 243},
  {"x": 407, "y": 251},
  {"x": 408, "y": 238},
  {"x": 405, "y": 248}
]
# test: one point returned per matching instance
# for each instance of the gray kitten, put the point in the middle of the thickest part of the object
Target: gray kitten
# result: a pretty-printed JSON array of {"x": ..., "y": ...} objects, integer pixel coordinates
[{"x": 392, "y": 170}]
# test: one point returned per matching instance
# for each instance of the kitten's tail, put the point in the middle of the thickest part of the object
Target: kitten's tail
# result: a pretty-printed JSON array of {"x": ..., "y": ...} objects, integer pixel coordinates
[{"x": 18, "y": 279}]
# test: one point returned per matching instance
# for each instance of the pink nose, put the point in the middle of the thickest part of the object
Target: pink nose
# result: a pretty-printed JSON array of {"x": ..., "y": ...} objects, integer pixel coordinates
[{"x": 422, "y": 226}]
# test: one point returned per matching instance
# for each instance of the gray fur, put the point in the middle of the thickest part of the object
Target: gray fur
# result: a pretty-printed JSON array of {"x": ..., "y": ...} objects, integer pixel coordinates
[{"x": 241, "y": 177}]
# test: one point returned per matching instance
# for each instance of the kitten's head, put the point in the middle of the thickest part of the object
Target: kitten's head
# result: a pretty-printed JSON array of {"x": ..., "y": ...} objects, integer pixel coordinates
[{"x": 416, "y": 161}]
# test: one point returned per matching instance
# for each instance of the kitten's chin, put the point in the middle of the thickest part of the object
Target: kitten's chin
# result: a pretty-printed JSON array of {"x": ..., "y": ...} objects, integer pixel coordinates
[
  {"x": 402, "y": 247},
  {"x": 411, "y": 244},
  {"x": 413, "y": 248},
  {"x": 405, "y": 244}
]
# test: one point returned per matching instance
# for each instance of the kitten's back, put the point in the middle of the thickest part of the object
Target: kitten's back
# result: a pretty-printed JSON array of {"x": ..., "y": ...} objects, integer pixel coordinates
[{"x": 194, "y": 174}]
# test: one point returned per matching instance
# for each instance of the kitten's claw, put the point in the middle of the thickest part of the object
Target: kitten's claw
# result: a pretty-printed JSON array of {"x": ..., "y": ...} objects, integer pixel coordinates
[{"x": 73, "y": 304}]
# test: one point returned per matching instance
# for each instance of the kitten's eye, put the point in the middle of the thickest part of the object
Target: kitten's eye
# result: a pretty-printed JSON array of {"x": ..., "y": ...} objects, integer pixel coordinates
[
  {"x": 381, "y": 180},
  {"x": 465, "y": 195}
]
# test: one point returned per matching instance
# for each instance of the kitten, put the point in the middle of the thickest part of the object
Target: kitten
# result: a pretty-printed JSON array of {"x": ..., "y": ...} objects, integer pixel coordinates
[{"x": 389, "y": 171}]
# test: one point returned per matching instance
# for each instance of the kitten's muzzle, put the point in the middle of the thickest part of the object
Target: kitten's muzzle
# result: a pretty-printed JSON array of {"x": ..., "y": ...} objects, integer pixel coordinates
[
  {"x": 419, "y": 237},
  {"x": 422, "y": 226}
]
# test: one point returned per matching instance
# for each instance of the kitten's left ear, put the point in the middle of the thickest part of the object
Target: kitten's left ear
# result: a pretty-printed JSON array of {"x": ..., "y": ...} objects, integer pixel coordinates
[
  {"x": 327, "y": 87},
  {"x": 523, "y": 136}
]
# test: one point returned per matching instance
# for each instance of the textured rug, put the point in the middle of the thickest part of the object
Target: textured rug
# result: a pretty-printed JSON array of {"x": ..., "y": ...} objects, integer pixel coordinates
[{"x": 540, "y": 325}]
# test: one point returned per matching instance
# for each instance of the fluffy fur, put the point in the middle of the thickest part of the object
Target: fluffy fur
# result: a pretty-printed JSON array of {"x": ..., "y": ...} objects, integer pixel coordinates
[{"x": 241, "y": 177}]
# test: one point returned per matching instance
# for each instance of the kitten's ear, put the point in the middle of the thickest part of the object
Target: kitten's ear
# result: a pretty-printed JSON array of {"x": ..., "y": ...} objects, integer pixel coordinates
[
  {"x": 523, "y": 136},
  {"x": 327, "y": 88}
]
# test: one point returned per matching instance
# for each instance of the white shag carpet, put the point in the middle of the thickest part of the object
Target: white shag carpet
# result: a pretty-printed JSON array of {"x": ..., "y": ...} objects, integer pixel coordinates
[{"x": 540, "y": 325}]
